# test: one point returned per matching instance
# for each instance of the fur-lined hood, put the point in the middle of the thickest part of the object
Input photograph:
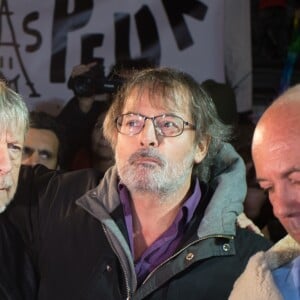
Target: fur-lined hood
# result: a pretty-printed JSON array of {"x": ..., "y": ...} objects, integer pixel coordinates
[
  {"x": 282, "y": 252},
  {"x": 257, "y": 282}
]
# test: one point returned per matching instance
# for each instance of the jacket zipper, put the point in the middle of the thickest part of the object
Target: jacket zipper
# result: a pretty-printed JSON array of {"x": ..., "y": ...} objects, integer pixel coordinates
[
  {"x": 121, "y": 262},
  {"x": 181, "y": 250},
  {"x": 164, "y": 262}
]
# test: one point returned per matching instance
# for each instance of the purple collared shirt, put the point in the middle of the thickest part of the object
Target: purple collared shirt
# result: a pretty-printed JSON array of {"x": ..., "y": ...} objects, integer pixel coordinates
[{"x": 167, "y": 243}]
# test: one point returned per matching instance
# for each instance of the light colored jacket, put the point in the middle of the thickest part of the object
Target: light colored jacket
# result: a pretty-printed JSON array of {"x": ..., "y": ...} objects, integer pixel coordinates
[{"x": 257, "y": 281}]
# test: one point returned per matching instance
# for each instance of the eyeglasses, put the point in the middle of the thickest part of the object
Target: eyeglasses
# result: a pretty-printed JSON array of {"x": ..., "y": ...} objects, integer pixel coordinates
[{"x": 165, "y": 125}]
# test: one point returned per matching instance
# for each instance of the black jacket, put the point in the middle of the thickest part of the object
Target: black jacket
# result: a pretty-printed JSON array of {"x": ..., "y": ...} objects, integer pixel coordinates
[
  {"x": 17, "y": 276},
  {"x": 79, "y": 245}
]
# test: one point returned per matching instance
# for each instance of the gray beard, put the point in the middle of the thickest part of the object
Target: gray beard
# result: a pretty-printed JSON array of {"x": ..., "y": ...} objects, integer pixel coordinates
[{"x": 162, "y": 179}]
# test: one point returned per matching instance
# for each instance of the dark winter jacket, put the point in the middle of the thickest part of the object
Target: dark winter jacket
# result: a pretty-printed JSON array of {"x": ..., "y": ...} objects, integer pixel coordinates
[
  {"x": 17, "y": 276},
  {"x": 75, "y": 231}
]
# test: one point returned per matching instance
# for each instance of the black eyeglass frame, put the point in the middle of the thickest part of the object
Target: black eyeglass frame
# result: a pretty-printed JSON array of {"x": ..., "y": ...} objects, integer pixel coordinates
[{"x": 158, "y": 130}]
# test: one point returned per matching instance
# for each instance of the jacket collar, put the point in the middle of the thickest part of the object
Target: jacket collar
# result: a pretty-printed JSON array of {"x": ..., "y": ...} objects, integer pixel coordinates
[
  {"x": 282, "y": 252},
  {"x": 220, "y": 215}
]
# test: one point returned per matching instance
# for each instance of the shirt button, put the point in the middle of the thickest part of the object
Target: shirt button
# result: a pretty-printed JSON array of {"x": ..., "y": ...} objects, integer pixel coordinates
[
  {"x": 189, "y": 256},
  {"x": 226, "y": 247}
]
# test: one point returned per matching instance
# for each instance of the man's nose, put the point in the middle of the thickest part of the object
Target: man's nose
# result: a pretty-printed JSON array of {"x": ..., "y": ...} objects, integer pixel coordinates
[
  {"x": 148, "y": 135},
  {"x": 5, "y": 160}
]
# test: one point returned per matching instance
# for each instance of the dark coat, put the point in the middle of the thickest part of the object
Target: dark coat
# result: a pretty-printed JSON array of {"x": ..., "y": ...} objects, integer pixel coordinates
[
  {"x": 80, "y": 248},
  {"x": 17, "y": 276}
]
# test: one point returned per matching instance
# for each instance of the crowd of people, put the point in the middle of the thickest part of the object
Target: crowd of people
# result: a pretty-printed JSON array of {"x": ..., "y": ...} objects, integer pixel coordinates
[{"x": 139, "y": 196}]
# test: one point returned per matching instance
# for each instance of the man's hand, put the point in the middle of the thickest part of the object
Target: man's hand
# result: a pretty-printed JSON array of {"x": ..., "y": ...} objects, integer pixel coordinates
[{"x": 81, "y": 69}]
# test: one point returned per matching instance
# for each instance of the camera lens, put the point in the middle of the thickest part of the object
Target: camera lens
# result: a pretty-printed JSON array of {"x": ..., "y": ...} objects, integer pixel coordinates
[{"x": 83, "y": 86}]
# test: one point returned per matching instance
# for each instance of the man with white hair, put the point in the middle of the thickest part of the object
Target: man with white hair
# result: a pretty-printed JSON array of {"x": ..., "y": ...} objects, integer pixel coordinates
[
  {"x": 16, "y": 273},
  {"x": 13, "y": 124}
]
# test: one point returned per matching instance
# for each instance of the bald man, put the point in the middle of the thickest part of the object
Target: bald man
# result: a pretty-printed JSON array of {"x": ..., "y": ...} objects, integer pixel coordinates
[{"x": 275, "y": 274}]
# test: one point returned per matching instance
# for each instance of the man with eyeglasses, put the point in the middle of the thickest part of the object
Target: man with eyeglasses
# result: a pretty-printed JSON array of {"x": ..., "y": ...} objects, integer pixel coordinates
[{"x": 161, "y": 223}]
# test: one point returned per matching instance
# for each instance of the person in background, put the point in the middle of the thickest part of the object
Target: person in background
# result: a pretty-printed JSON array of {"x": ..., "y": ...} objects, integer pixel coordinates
[
  {"x": 45, "y": 142},
  {"x": 275, "y": 149},
  {"x": 100, "y": 156},
  {"x": 80, "y": 114},
  {"x": 161, "y": 223},
  {"x": 224, "y": 99},
  {"x": 93, "y": 92},
  {"x": 17, "y": 279},
  {"x": 102, "y": 153}
]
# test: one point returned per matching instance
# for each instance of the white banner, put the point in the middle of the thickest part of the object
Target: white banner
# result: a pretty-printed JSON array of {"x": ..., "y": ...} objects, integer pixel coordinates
[{"x": 41, "y": 41}]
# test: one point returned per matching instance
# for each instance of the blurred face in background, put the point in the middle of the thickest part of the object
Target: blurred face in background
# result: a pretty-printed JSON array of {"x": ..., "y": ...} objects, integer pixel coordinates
[
  {"x": 102, "y": 153},
  {"x": 41, "y": 147}
]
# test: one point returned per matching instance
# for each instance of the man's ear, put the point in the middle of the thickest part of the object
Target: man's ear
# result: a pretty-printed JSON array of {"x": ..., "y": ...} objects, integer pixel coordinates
[{"x": 201, "y": 150}]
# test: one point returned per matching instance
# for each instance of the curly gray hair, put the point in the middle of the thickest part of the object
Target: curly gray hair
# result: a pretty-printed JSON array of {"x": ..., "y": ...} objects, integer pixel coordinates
[{"x": 13, "y": 110}]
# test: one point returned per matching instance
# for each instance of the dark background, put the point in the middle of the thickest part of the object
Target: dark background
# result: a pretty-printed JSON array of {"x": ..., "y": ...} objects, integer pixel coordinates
[{"x": 273, "y": 35}]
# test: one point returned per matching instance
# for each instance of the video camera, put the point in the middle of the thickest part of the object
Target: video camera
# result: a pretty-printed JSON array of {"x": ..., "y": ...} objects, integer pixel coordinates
[{"x": 93, "y": 82}]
